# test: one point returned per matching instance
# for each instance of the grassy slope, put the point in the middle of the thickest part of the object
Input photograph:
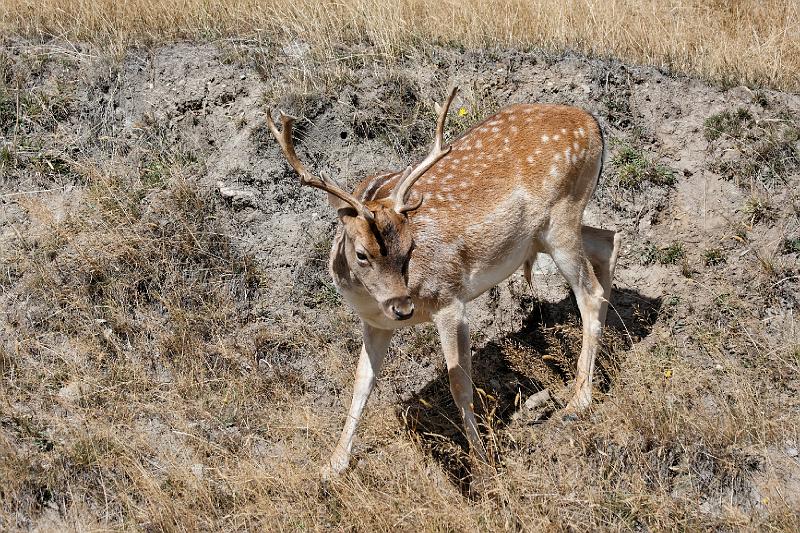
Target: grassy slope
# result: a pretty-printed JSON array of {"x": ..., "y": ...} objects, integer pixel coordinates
[
  {"x": 750, "y": 42},
  {"x": 144, "y": 387}
]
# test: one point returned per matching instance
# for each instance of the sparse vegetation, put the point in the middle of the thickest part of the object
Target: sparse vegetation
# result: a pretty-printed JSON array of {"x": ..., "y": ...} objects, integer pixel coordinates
[
  {"x": 758, "y": 209},
  {"x": 731, "y": 123},
  {"x": 668, "y": 255},
  {"x": 714, "y": 256},
  {"x": 766, "y": 150},
  {"x": 791, "y": 245},
  {"x": 634, "y": 168},
  {"x": 174, "y": 360}
]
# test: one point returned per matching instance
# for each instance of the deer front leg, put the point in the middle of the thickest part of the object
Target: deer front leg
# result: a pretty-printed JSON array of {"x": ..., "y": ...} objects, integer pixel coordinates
[
  {"x": 451, "y": 322},
  {"x": 373, "y": 352}
]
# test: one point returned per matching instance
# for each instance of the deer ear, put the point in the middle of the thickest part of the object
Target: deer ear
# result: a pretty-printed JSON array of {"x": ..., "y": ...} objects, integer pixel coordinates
[
  {"x": 336, "y": 202},
  {"x": 345, "y": 212}
]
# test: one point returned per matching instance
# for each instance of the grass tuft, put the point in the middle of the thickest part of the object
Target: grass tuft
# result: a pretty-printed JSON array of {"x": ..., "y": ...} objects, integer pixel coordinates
[
  {"x": 730, "y": 123},
  {"x": 634, "y": 168}
]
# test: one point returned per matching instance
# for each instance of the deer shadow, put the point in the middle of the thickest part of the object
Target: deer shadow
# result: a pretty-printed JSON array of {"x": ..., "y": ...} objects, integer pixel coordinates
[{"x": 541, "y": 354}]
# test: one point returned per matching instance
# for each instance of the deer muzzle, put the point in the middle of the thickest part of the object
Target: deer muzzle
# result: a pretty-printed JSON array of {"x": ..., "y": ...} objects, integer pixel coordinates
[{"x": 399, "y": 308}]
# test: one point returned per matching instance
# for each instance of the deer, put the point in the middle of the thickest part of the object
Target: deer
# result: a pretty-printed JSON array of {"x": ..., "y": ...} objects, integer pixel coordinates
[{"x": 417, "y": 245}]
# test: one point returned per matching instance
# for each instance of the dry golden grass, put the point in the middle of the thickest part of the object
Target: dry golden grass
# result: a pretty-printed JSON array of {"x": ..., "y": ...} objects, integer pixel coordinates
[
  {"x": 749, "y": 41},
  {"x": 133, "y": 398}
]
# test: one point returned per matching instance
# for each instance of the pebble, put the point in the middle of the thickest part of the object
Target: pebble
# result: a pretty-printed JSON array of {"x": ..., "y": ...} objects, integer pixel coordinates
[
  {"x": 537, "y": 400},
  {"x": 71, "y": 392},
  {"x": 197, "y": 470}
]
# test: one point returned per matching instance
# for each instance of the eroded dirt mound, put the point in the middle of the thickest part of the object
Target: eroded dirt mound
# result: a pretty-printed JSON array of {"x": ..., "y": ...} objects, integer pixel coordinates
[{"x": 168, "y": 323}]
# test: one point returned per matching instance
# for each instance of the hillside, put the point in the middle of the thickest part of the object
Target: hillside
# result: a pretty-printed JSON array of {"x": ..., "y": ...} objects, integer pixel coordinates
[{"x": 174, "y": 356}]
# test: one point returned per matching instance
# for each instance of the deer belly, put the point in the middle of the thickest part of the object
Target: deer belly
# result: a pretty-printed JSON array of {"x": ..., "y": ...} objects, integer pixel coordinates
[{"x": 489, "y": 273}]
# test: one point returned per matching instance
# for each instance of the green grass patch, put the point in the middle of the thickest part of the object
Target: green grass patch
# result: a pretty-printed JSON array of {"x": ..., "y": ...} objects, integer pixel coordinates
[
  {"x": 714, "y": 256},
  {"x": 729, "y": 123},
  {"x": 634, "y": 167},
  {"x": 667, "y": 255}
]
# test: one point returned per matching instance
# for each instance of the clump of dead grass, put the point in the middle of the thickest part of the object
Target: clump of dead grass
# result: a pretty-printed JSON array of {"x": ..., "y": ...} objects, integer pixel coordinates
[
  {"x": 765, "y": 148},
  {"x": 744, "y": 42},
  {"x": 135, "y": 289},
  {"x": 135, "y": 249}
]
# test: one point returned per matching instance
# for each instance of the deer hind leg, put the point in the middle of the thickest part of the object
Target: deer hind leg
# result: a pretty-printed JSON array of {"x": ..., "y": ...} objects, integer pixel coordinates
[
  {"x": 574, "y": 264},
  {"x": 451, "y": 323},
  {"x": 602, "y": 248},
  {"x": 373, "y": 352}
]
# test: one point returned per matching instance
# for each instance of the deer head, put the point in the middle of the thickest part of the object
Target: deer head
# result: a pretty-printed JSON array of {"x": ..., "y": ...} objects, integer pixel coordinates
[{"x": 378, "y": 241}]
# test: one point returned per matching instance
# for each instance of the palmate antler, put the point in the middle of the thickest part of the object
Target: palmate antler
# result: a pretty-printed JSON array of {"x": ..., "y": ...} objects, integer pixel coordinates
[
  {"x": 411, "y": 175},
  {"x": 284, "y": 138}
]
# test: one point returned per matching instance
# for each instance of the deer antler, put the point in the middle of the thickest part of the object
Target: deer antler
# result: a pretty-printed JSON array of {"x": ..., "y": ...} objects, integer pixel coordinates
[
  {"x": 284, "y": 138},
  {"x": 411, "y": 175}
]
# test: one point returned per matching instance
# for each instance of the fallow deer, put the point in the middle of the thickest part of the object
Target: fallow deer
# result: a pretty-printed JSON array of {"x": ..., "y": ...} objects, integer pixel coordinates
[{"x": 416, "y": 246}]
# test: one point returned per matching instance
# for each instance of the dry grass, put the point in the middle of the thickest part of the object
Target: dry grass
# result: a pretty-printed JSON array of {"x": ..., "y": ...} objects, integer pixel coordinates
[
  {"x": 750, "y": 41},
  {"x": 147, "y": 382}
]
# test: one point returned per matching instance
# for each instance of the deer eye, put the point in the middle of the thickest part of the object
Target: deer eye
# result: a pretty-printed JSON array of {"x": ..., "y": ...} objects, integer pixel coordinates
[{"x": 361, "y": 256}]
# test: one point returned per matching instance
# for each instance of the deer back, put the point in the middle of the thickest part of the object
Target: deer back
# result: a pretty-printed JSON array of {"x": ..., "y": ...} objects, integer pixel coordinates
[{"x": 486, "y": 204}]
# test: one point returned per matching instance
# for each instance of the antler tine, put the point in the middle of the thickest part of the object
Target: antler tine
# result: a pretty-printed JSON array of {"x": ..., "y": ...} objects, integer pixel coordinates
[
  {"x": 442, "y": 112},
  {"x": 284, "y": 138},
  {"x": 408, "y": 179}
]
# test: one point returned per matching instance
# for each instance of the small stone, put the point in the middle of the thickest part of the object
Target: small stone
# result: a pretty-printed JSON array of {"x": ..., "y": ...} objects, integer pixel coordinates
[
  {"x": 197, "y": 470},
  {"x": 537, "y": 400},
  {"x": 240, "y": 197},
  {"x": 730, "y": 155},
  {"x": 791, "y": 452},
  {"x": 71, "y": 392}
]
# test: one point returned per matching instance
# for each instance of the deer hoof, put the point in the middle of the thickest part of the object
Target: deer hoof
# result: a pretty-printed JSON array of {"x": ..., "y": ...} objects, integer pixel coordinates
[
  {"x": 326, "y": 473},
  {"x": 336, "y": 465}
]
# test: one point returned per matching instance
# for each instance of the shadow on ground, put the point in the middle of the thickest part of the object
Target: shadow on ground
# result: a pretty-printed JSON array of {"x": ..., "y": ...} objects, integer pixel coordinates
[{"x": 542, "y": 354}]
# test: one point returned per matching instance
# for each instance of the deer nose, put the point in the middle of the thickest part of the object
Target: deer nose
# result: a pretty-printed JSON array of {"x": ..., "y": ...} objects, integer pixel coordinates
[{"x": 401, "y": 308}]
